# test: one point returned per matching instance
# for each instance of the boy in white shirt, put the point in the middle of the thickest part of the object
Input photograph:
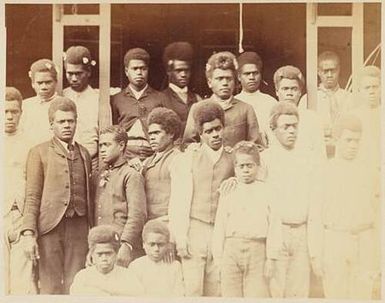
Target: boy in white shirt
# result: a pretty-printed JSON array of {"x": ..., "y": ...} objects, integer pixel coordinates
[
  {"x": 247, "y": 230},
  {"x": 105, "y": 278},
  {"x": 158, "y": 277}
]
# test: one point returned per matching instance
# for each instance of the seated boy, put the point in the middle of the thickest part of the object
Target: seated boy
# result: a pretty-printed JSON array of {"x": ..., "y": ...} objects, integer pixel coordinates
[
  {"x": 246, "y": 230},
  {"x": 158, "y": 278},
  {"x": 103, "y": 277}
]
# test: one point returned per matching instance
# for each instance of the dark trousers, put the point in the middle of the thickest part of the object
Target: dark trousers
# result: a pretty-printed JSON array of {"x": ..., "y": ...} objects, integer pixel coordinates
[{"x": 63, "y": 253}]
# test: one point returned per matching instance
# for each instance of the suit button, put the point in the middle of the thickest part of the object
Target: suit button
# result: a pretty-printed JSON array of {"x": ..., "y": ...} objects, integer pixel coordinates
[
  {"x": 67, "y": 186},
  {"x": 66, "y": 171},
  {"x": 66, "y": 203}
]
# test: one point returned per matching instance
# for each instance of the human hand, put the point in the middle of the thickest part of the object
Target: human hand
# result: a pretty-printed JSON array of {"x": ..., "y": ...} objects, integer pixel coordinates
[
  {"x": 124, "y": 257},
  {"x": 228, "y": 186},
  {"x": 30, "y": 247},
  {"x": 136, "y": 163},
  {"x": 183, "y": 251},
  {"x": 169, "y": 255}
]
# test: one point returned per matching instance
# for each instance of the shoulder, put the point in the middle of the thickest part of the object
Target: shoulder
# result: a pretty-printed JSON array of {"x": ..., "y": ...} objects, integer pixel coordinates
[
  {"x": 269, "y": 99},
  {"x": 118, "y": 96},
  {"x": 138, "y": 263},
  {"x": 241, "y": 105}
]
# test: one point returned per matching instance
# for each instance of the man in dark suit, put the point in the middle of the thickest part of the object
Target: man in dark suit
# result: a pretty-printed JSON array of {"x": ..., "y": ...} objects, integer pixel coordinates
[
  {"x": 58, "y": 210},
  {"x": 177, "y": 59}
]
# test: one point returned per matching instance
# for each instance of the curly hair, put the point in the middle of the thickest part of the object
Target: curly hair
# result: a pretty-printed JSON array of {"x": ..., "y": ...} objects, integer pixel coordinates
[
  {"x": 157, "y": 227},
  {"x": 136, "y": 54},
  {"x": 247, "y": 148},
  {"x": 288, "y": 72},
  {"x": 120, "y": 134},
  {"x": 221, "y": 60},
  {"x": 207, "y": 111},
  {"x": 168, "y": 119},
  {"x": 63, "y": 104},
  {"x": 13, "y": 94},
  {"x": 103, "y": 234},
  {"x": 282, "y": 108}
]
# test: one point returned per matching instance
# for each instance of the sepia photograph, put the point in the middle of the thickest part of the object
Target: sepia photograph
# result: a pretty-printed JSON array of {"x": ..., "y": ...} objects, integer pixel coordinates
[{"x": 194, "y": 149}]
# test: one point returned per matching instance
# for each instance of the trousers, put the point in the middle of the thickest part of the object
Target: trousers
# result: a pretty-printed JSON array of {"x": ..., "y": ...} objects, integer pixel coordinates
[
  {"x": 63, "y": 253},
  {"x": 292, "y": 274},
  {"x": 242, "y": 268},
  {"x": 348, "y": 265},
  {"x": 201, "y": 275}
]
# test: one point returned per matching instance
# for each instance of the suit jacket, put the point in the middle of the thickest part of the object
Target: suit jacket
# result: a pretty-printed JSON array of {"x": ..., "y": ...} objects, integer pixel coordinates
[
  {"x": 48, "y": 186},
  {"x": 174, "y": 102},
  {"x": 240, "y": 124}
]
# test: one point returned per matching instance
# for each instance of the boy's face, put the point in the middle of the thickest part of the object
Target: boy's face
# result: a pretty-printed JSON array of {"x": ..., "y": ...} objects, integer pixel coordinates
[
  {"x": 222, "y": 83},
  {"x": 347, "y": 144},
  {"x": 329, "y": 72},
  {"x": 155, "y": 245},
  {"x": 289, "y": 90},
  {"x": 370, "y": 90},
  {"x": 159, "y": 139},
  {"x": 103, "y": 257},
  {"x": 212, "y": 134},
  {"x": 12, "y": 116},
  {"x": 250, "y": 77},
  {"x": 44, "y": 84},
  {"x": 77, "y": 76},
  {"x": 110, "y": 150},
  {"x": 137, "y": 73},
  {"x": 180, "y": 73},
  {"x": 245, "y": 168},
  {"x": 286, "y": 131}
]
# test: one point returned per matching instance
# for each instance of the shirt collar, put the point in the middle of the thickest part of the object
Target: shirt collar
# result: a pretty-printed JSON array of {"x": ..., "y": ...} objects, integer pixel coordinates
[
  {"x": 225, "y": 104},
  {"x": 64, "y": 144},
  {"x": 257, "y": 92},
  {"x": 328, "y": 90},
  {"x": 49, "y": 99},
  {"x": 177, "y": 89},
  {"x": 214, "y": 155},
  {"x": 137, "y": 94},
  {"x": 118, "y": 163}
]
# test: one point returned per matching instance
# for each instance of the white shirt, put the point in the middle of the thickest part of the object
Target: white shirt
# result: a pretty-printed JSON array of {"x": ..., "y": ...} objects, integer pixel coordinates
[
  {"x": 214, "y": 155},
  {"x": 296, "y": 181},
  {"x": 16, "y": 148},
  {"x": 34, "y": 120},
  {"x": 247, "y": 213},
  {"x": 262, "y": 105},
  {"x": 87, "y": 105},
  {"x": 181, "y": 92},
  {"x": 120, "y": 281},
  {"x": 159, "y": 279},
  {"x": 137, "y": 94}
]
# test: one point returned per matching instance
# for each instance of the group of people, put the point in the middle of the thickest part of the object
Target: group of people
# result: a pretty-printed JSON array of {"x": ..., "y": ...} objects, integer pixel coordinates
[{"x": 235, "y": 195}]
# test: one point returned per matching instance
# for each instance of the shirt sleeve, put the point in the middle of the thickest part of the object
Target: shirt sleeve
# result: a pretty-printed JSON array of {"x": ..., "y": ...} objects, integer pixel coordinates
[
  {"x": 274, "y": 231},
  {"x": 136, "y": 204},
  {"x": 219, "y": 231},
  {"x": 253, "y": 126},
  {"x": 190, "y": 133},
  {"x": 180, "y": 197}
]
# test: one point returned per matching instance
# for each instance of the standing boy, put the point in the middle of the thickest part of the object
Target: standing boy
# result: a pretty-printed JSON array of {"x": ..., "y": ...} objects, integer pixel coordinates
[
  {"x": 247, "y": 230},
  {"x": 120, "y": 197}
]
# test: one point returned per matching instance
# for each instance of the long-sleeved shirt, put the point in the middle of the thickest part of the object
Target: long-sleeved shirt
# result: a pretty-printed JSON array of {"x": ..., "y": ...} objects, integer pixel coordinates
[
  {"x": 34, "y": 120},
  {"x": 87, "y": 105},
  {"x": 247, "y": 213},
  {"x": 159, "y": 279},
  {"x": 119, "y": 281},
  {"x": 262, "y": 105},
  {"x": 296, "y": 180},
  {"x": 121, "y": 201},
  {"x": 240, "y": 123}
]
